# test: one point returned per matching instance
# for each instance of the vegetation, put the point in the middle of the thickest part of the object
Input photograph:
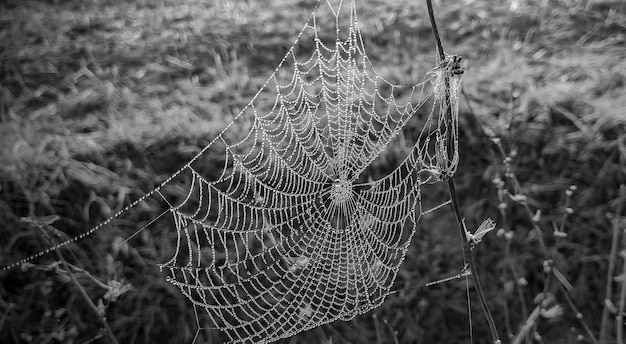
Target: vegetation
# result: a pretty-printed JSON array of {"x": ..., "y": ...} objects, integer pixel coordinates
[{"x": 101, "y": 100}]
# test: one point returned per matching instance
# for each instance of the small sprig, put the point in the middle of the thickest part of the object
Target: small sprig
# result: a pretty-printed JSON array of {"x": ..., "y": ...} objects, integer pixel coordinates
[{"x": 487, "y": 226}]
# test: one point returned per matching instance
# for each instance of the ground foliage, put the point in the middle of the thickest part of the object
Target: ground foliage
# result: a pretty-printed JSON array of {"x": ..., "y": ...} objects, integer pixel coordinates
[{"x": 101, "y": 100}]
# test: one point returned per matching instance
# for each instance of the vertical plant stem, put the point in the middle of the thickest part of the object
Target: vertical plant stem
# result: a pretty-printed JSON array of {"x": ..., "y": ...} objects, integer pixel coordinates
[
  {"x": 394, "y": 333},
  {"x": 472, "y": 264},
  {"x": 433, "y": 23},
  {"x": 507, "y": 319},
  {"x": 508, "y": 258},
  {"x": 452, "y": 189},
  {"x": 619, "y": 320},
  {"x": 377, "y": 329},
  {"x": 608, "y": 294}
]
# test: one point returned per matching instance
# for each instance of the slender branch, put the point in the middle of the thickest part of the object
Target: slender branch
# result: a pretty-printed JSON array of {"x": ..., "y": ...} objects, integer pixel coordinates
[{"x": 452, "y": 190}]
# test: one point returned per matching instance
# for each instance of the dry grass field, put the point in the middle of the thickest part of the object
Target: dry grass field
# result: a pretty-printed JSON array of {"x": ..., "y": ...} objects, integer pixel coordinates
[{"x": 101, "y": 100}]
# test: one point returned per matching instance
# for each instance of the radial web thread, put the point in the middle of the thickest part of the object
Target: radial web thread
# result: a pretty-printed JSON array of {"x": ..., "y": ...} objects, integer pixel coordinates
[{"x": 281, "y": 238}]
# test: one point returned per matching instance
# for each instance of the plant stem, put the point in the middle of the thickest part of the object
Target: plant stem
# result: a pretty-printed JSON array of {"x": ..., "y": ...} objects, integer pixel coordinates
[
  {"x": 80, "y": 288},
  {"x": 87, "y": 299},
  {"x": 377, "y": 329},
  {"x": 608, "y": 294},
  {"x": 472, "y": 264},
  {"x": 394, "y": 333},
  {"x": 452, "y": 189},
  {"x": 619, "y": 320},
  {"x": 433, "y": 23},
  {"x": 507, "y": 250},
  {"x": 578, "y": 314},
  {"x": 527, "y": 326}
]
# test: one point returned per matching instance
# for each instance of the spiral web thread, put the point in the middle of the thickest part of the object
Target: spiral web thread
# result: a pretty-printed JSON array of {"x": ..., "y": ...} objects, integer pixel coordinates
[{"x": 281, "y": 237}]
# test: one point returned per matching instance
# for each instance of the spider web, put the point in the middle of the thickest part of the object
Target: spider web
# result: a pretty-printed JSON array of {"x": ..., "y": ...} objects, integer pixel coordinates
[{"x": 281, "y": 236}]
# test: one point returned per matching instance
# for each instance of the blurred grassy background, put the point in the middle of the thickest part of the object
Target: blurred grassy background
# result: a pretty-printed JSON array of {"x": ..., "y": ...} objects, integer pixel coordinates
[{"x": 101, "y": 100}]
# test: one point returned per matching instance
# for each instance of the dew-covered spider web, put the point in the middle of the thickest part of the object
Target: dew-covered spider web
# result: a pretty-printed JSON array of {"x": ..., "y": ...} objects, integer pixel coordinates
[{"x": 283, "y": 234}]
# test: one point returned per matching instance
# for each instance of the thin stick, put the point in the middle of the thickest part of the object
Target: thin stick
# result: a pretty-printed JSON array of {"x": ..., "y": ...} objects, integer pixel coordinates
[
  {"x": 433, "y": 23},
  {"x": 453, "y": 197}
]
